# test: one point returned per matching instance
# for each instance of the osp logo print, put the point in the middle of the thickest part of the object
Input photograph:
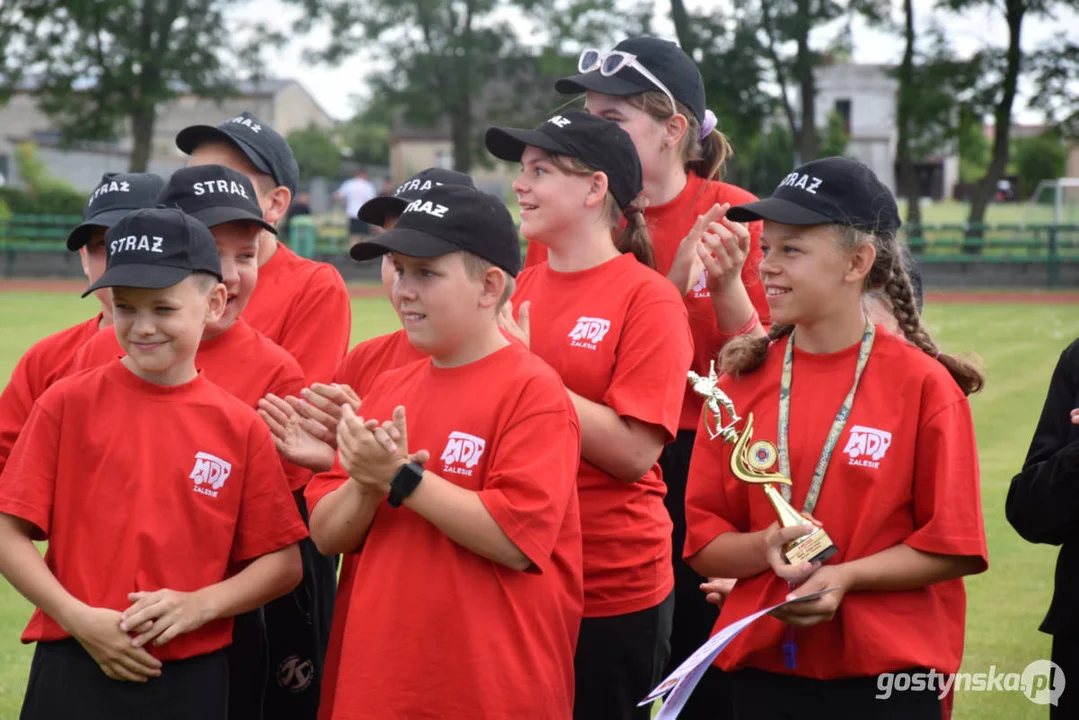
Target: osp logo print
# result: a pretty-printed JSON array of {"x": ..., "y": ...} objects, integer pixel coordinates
[
  {"x": 867, "y": 446},
  {"x": 210, "y": 473},
  {"x": 589, "y": 332},
  {"x": 462, "y": 453}
]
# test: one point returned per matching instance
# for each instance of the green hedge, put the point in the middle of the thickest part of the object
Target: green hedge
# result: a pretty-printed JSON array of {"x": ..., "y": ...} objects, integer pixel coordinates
[{"x": 52, "y": 202}]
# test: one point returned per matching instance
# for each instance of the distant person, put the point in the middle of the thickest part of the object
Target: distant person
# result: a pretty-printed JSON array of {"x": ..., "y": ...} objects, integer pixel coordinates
[
  {"x": 354, "y": 192},
  {"x": 300, "y": 206}
]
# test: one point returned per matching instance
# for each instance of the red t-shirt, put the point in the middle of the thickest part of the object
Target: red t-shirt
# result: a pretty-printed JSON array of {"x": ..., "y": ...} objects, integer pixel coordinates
[
  {"x": 240, "y": 360},
  {"x": 44, "y": 363},
  {"x": 138, "y": 486},
  {"x": 371, "y": 358},
  {"x": 668, "y": 225},
  {"x": 629, "y": 350},
  {"x": 905, "y": 470},
  {"x": 303, "y": 306},
  {"x": 434, "y": 630},
  {"x": 358, "y": 370}
]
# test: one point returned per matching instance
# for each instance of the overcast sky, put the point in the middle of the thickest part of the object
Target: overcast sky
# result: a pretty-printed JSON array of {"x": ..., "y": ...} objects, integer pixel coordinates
[{"x": 335, "y": 87}]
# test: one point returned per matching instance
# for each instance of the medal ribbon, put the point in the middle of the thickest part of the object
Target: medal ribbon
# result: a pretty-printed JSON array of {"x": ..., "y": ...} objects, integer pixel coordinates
[{"x": 837, "y": 425}]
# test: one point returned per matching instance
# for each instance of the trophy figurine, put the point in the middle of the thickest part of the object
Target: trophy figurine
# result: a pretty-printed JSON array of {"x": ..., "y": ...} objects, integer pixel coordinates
[{"x": 752, "y": 462}]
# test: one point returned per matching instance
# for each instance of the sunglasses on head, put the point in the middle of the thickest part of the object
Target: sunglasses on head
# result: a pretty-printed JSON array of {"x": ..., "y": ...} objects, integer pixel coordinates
[{"x": 610, "y": 62}]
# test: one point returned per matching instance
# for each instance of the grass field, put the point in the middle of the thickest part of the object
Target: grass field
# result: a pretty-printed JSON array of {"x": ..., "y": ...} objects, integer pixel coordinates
[{"x": 1018, "y": 345}]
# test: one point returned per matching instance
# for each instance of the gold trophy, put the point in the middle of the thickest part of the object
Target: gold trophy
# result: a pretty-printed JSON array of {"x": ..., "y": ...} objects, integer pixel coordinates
[{"x": 752, "y": 462}]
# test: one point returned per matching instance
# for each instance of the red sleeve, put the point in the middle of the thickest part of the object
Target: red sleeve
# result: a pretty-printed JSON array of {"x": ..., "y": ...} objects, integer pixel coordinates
[
  {"x": 291, "y": 384},
  {"x": 751, "y": 274},
  {"x": 654, "y": 353},
  {"x": 323, "y": 484},
  {"x": 714, "y": 504},
  {"x": 536, "y": 254},
  {"x": 947, "y": 494},
  {"x": 269, "y": 519},
  {"x": 28, "y": 482},
  {"x": 317, "y": 329},
  {"x": 16, "y": 402},
  {"x": 533, "y": 476}
]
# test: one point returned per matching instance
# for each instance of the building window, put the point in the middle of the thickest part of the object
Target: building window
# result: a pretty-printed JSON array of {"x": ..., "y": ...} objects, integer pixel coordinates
[
  {"x": 842, "y": 107},
  {"x": 444, "y": 159}
]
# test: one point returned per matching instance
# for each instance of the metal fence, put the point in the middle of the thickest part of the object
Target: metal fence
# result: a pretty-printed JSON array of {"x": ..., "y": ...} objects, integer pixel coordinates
[{"x": 1049, "y": 245}]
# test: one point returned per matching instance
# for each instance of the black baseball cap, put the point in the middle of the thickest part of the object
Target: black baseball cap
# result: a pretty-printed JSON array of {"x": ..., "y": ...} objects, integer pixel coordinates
[
  {"x": 447, "y": 219},
  {"x": 157, "y": 248},
  {"x": 214, "y": 195},
  {"x": 829, "y": 190},
  {"x": 376, "y": 209},
  {"x": 598, "y": 143},
  {"x": 114, "y": 197},
  {"x": 262, "y": 145},
  {"x": 663, "y": 58}
]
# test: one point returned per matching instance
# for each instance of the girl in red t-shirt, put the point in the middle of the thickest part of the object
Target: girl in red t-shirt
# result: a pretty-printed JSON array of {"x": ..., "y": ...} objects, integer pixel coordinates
[
  {"x": 615, "y": 331},
  {"x": 901, "y": 502},
  {"x": 655, "y": 92}
]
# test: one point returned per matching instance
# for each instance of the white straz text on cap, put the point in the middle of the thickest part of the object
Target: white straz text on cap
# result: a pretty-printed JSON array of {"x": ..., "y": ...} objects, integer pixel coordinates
[
  {"x": 801, "y": 180},
  {"x": 219, "y": 186},
  {"x": 136, "y": 242},
  {"x": 109, "y": 187},
  {"x": 428, "y": 207}
]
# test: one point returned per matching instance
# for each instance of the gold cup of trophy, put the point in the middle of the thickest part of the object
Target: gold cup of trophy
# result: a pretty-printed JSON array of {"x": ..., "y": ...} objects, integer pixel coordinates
[{"x": 753, "y": 462}]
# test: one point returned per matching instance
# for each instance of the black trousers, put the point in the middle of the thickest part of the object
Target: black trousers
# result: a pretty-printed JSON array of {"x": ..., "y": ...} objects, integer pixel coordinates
[
  {"x": 1066, "y": 656},
  {"x": 277, "y": 652},
  {"x": 619, "y": 660},
  {"x": 760, "y": 695},
  {"x": 694, "y": 617},
  {"x": 66, "y": 684}
]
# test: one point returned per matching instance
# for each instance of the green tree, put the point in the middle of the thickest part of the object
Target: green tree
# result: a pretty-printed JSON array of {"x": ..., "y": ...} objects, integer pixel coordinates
[
  {"x": 834, "y": 139},
  {"x": 316, "y": 153},
  {"x": 366, "y": 136},
  {"x": 1039, "y": 158},
  {"x": 728, "y": 49},
  {"x": 786, "y": 23},
  {"x": 1002, "y": 74},
  {"x": 464, "y": 63},
  {"x": 100, "y": 65}
]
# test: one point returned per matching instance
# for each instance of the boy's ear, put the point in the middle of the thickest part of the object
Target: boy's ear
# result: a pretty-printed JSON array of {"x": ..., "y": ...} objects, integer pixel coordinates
[
  {"x": 494, "y": 285},
  {"x": 275, "y": 204},
  {"x": 215, "y": 307}
]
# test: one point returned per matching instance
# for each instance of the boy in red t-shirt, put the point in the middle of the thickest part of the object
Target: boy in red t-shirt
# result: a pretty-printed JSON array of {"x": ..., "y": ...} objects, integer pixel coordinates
[
  {"x": 300, "y": 304},
  {"x": 239, "y": 359},
  {"x": 305, "y": 428},
  {"x": 50, "y": 359},
  {"x": 193, "y": 521},
  {"x": 874, "y": 432},
  {"x": 491, "y": 521}
]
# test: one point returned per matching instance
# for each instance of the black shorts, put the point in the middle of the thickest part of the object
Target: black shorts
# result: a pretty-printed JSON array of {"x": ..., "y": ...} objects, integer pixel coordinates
[
  {"x": 358, "y": 227},
  {"x": 619, "y": 660},
  {"x": 760, "y": 695},
  {"x": 66, "y": 683},
  {"x": 277, "y": 652}
]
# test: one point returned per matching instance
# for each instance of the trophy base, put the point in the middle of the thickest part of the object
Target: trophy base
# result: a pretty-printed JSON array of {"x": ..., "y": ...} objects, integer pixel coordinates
[{"x": 815, "y": 547}]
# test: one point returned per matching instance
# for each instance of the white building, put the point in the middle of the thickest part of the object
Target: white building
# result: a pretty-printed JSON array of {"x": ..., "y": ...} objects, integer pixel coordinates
[{"x": 865, "y": 96}]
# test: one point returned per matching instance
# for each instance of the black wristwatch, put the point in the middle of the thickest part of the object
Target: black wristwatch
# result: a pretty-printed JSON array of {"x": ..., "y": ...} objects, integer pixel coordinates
[{"x": 404, "y": 483}]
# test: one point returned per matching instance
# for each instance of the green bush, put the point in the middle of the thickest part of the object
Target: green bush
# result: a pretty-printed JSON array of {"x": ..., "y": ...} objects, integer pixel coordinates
[{"x": 50, "y": 202}]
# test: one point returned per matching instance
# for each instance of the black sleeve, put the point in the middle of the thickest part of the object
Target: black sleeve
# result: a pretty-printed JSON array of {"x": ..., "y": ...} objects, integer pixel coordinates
[{"x": 1043, "y": 500}]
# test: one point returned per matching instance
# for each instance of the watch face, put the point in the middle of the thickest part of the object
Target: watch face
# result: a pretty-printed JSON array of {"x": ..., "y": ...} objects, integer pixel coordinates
[{"x": 404, "y": 482}]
